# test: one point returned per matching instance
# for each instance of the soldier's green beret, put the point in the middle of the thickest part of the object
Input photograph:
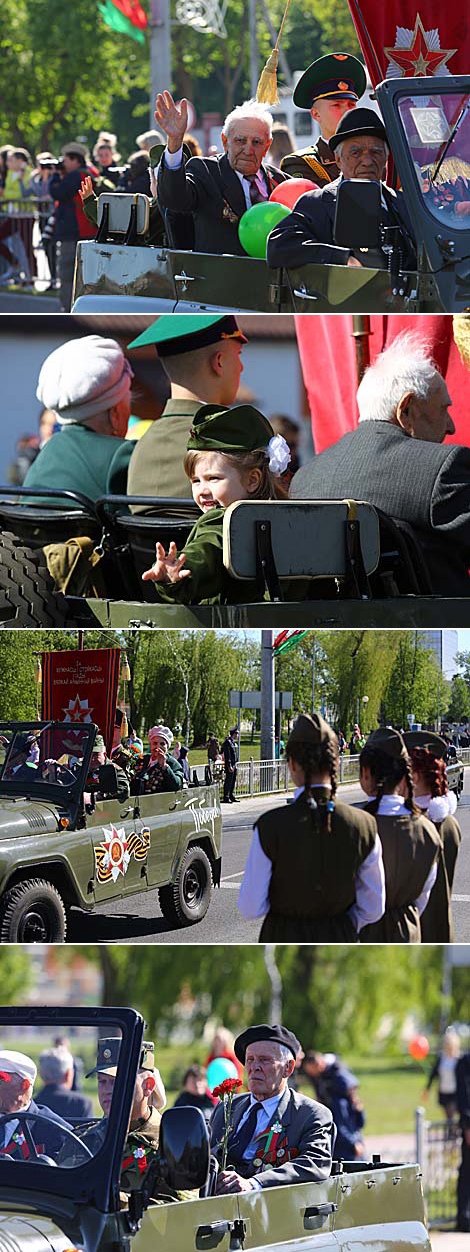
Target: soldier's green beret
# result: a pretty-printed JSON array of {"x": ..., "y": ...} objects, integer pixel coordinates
[
  {"x": 426, "y": 739},
  {"x": 175, "y": 333},
  {"x": 332, "y": 77},
  {"x": 108, "y": 1057},
  {"x": 237, "y": 430},
  {"x": 310, "y": 730},
  {"x": 387, "y": 740}
]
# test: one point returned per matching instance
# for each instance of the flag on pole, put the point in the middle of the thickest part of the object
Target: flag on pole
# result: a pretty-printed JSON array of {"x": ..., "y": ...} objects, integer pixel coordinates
[
  {"x": 407, "y": 38},
  {"x": 286, "y": 640},
  {"x": 126, "y": 17}
]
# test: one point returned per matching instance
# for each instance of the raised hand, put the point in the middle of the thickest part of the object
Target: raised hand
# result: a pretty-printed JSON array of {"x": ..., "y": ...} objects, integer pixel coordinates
[
  {"x": 172, "y": 118},
  {"x": 167, "y": 568},
  {"x": 86, "y": 188}
]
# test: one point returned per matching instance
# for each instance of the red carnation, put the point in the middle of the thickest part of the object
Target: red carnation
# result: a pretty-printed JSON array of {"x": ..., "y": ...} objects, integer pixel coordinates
[
  {"x": 228, "y": 1087},
  {"x": 226, "y": 1090}
]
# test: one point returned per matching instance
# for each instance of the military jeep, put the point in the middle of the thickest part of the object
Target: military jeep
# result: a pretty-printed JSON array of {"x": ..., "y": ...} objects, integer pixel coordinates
[
  {"x": 62, "y": 846},
  {"x": 298, "y": 563},
  {"x": 428, "y": 127},
  {"x": 75, "y": 1203}
]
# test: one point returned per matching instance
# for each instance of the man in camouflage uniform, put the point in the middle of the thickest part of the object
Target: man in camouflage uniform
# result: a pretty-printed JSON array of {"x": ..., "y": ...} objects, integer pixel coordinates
[{"x": 329, "y": 88}]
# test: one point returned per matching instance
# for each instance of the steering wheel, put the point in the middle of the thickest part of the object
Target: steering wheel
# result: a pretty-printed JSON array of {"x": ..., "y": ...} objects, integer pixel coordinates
[{"x": 22, "y": 1120}]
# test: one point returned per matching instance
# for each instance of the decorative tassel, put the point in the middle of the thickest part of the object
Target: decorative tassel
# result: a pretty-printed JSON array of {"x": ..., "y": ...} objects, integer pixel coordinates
[
  {"x": 124, "y": 726},
  {"x": 125, "y": 669},
  {"x": 266, "y": 91}
]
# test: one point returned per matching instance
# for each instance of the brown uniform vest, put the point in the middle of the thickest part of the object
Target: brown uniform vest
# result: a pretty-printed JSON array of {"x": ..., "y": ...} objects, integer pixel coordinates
[
  {"x": 313, "y": 872},
  {"x": 410, "y": 846}
]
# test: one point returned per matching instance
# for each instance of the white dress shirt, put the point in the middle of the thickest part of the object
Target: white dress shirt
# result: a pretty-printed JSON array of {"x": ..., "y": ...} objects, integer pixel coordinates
[
  {"x": 265, "y": 1113},
  {"x": 253, "y": 898}
]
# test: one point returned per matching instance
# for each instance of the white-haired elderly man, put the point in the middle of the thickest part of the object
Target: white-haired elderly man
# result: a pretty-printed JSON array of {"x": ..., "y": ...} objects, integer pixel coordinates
[
  {"x": 397, "y": 460},
  {"x": 217, "y": 190},
  {"x": 306, "y": 236},
  {"x": 27, "y": 1129},
  {"x": 277, "y": 1136},
  {"x": 56, "y": 1072}
]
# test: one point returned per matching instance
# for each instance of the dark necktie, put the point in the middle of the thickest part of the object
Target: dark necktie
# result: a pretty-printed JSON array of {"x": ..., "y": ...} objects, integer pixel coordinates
[
  {"x": 256, "y": 195},
  {"x": 240, "y": 1139}
]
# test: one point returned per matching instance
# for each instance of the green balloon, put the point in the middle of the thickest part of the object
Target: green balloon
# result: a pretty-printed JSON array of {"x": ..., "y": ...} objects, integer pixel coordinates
[{"x": 257, "y": 223}]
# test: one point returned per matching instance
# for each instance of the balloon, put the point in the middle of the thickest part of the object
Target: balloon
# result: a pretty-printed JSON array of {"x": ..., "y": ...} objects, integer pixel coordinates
[
  {"x": 219, "y": 1069},
  {"x": 290, "y": 192},
  {"x": 256, "y": 224},
  {"x": 418, "y": 1047}
]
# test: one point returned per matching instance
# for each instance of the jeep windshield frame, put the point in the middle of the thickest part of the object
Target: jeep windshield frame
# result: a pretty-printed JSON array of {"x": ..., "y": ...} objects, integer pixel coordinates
[
  {"x": 422, "y": 116},
  {"x": 66, "y": 795},
  {"x": 95, "y": 1182}
]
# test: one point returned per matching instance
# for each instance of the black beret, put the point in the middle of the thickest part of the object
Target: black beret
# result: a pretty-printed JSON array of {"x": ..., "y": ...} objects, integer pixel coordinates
[{"x": 274, "y": 1034}]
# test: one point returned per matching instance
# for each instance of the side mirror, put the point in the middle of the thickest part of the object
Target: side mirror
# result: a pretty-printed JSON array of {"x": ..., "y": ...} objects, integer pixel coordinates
[
  {"x": 357, "y": 216},
  {"x": 107, "y": 781},
  {"x": 184, "y": 1149}
]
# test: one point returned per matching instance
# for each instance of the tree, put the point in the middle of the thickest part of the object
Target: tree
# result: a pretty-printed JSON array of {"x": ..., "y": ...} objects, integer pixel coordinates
[
  {"x": 416, "y": 684},
  {"x": 459, "y": 707}
]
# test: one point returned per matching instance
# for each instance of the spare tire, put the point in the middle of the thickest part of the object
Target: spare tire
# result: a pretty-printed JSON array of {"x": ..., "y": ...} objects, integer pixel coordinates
[{"x": 27, "y": 595}]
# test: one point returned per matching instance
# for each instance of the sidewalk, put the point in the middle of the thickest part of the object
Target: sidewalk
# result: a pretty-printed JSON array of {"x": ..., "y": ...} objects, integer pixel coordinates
[{"x": 447, "y": 1241}]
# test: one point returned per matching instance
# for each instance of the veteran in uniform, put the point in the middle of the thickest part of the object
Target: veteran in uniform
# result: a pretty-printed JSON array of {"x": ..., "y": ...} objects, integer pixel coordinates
[
  {"x": 314, "y": 869},
  {"x": 330, "y": 87},
  {"x": 98, "y": 758},
  {"x": 201, "y": 355},
  {"x": 410, "y": 842},
  {"x": 428, "y": 755},
  {"x": 277, "y": 1135}
]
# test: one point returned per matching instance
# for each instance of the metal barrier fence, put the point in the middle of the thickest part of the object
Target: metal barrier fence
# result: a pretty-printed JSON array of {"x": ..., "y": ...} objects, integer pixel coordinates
[
  {"x": 261, "y": 777},
  {"x": 21, "y": 224},
  {"x": 438, "y": 1150}
]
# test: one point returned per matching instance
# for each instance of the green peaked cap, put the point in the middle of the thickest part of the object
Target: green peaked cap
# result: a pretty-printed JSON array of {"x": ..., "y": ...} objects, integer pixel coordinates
[
  {"x": 335, "y": 76},
  {"x": 237, "y": 430},
  {"x": 174, "y": 333}
]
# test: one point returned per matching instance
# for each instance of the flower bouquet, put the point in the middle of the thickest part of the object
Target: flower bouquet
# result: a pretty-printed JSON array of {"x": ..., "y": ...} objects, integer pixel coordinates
[{"x": 226, "y": 1091}]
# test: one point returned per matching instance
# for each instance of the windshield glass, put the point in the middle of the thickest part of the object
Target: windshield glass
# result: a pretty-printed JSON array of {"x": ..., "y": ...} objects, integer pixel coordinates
[
  {"x": 42, "y": 753},
  {"x": 56, "y": 1091},
  {"x": 437, "y": 128}
]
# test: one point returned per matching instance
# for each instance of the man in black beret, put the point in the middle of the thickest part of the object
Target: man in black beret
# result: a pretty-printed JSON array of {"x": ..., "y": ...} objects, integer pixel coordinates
[
  {"x": 328, "y": 88},
  {"x": 306, "y": 236},
  {"x": 278, "y": 1136}
]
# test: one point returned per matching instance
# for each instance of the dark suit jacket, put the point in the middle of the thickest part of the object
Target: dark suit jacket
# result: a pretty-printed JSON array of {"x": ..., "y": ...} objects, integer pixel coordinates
[
  {"x": 229, "y": 749},
  {"x": 47, "y": 1137},
  {"x": 210, "y": 189},
  {"x": 306, "y": 236},
  {"x": 68, "y": 1104},
  {"x": 424, "y": 484},
  {"x": 308, "y": 1126}
]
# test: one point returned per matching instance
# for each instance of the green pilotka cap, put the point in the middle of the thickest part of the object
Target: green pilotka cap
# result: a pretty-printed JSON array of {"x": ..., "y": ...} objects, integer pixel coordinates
[
  {"x": 387, "y": 740},
  {"x": 233, "y": 431},
  {"x": 174, "y": 333},
  {"x": 336, "y": 76},
  {"x": 428, "y": 740},
  {"x": 313, "y": 730}
]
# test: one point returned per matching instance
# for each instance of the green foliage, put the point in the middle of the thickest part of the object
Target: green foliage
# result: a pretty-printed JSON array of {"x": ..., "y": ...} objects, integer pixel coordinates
[
  {"x": 17, "y": 975},
  {"x": 459, "y": 706},
  {"x": 416, "y": 684}
]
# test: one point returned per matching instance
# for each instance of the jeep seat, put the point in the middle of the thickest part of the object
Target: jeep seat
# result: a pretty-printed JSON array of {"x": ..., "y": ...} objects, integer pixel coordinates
[
  {"x": 123, "y": 217},
  {"x": 172, "y": 519},
  {"x": 44, "y": 516},
  {"x": 336, "y": 541}
]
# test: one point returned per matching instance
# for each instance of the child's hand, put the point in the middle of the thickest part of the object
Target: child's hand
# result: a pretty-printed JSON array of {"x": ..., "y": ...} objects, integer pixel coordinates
[
  {"x": 86, "y": 188},
  {"x": 167, "y": 568}
]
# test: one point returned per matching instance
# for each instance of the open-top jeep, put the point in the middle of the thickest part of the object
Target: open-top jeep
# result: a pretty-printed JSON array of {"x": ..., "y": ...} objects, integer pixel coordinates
[
  {"x": 428, "y": 126},
  {"x": 62, "y": 846},
  {"x": 293, "y": 563},
  {"x": 74, "y": 1202}
]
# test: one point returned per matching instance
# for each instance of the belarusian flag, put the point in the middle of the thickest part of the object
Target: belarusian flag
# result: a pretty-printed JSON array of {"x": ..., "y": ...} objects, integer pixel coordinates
[
  {"x": 125, "y": 16},
  {"x": 286, "y": 640}
]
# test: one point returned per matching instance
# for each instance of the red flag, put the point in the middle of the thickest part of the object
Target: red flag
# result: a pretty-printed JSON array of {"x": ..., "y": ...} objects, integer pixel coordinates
[
  {"x": 81, "y": 687},
  {"x": 133, "y": 11},
  {"x": 405, "y": 38},
  {"x": 331, "y": 388}
]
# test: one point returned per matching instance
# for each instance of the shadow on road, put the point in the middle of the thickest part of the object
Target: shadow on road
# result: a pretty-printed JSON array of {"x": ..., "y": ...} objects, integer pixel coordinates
[{"x": 99, "y": 928}]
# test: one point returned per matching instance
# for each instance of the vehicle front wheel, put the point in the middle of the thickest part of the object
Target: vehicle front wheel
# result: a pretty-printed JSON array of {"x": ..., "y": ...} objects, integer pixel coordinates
[
  {"x": 187, "y": 899},
  {"x": 32, "y": 912}
]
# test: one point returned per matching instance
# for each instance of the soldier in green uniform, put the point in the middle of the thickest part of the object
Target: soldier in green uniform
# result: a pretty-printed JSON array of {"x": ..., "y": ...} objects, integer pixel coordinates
[
  {"x": 314, "y": 869},
  {"x": 328, "y": 88},
  {"x": 233, "y": 455},
  {"x": 202, "y": 357}
]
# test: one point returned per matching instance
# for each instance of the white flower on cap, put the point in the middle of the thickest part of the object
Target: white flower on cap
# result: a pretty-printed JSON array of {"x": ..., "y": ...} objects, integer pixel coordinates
[
  {"x": 83, "y": 378},
  {"x": 18, "y": 1063},
  {"x": 279, "y": 454}
]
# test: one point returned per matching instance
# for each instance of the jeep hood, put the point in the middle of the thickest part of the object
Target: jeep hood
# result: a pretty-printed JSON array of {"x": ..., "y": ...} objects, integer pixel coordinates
[
  {"x": 21, "y": 1233},
  {"x": 20, "y": 817}
]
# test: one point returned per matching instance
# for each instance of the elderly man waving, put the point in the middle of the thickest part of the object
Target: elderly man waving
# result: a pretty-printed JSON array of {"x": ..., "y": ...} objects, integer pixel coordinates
[
  {"x": 278, "y": 1136},
  {"x": 216, "y": 190}
]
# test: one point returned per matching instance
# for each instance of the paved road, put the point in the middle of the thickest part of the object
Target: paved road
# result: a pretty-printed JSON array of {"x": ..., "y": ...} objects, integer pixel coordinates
[{"x": 139, "y": 919}]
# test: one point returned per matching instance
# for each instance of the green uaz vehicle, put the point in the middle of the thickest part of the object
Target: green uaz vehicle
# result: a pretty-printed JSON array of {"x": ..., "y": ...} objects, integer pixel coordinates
[
  {"x": 74, "y": 1202},
  {"x": 428, "y": 126},
  {"x": 62, "y": 846}
]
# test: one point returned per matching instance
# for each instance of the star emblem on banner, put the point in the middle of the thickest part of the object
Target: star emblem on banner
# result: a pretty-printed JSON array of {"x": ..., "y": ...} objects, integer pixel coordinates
[
  {"x": 77, "y": 710},
  {"x": 419, "y": 59},
  {"x": 116, "y": 856}
]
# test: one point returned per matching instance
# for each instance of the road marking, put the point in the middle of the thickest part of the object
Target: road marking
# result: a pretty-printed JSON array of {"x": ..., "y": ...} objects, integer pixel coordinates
[
  {"x": 233, "y": 886},
  {"x": 461, "y": 899},
  {"x": 237, "y": 875}
]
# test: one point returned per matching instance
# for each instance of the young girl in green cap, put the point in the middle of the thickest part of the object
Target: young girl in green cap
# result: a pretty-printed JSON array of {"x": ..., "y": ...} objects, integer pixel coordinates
[{"x": 233, "y": 454}]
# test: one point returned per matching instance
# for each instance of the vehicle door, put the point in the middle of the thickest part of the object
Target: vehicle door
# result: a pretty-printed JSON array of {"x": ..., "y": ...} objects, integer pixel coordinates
[
  {"x": 300, "y": 1215},
  {"x": 161, "y": 816},
  {"x": 120, "y": 847},
  {"x": 196, "y": 1225}
]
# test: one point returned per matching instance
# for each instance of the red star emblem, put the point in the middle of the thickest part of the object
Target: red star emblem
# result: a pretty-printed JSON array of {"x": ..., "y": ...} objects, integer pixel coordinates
[
  {"x": 418, "y": 59},
  {"x": 77, "y": 710}
]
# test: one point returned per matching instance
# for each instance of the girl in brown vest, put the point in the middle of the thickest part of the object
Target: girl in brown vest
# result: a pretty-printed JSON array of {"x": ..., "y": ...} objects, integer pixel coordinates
[
  {"x": 428, "y": 753},
  {"x": 314, "y": 870},
  {"x": 410, "y": 842}
]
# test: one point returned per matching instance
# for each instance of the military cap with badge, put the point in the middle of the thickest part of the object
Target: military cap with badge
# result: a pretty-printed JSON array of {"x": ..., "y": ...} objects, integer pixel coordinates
[
  {"x": 175, "y": 333},
  {"x": 330, "y": 77}
]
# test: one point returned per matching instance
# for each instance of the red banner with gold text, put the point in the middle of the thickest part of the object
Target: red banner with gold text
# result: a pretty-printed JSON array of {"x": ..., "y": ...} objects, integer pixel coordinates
[
  {"x": 406, "y": 38},
  {"x": 82, "y": 686}
]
